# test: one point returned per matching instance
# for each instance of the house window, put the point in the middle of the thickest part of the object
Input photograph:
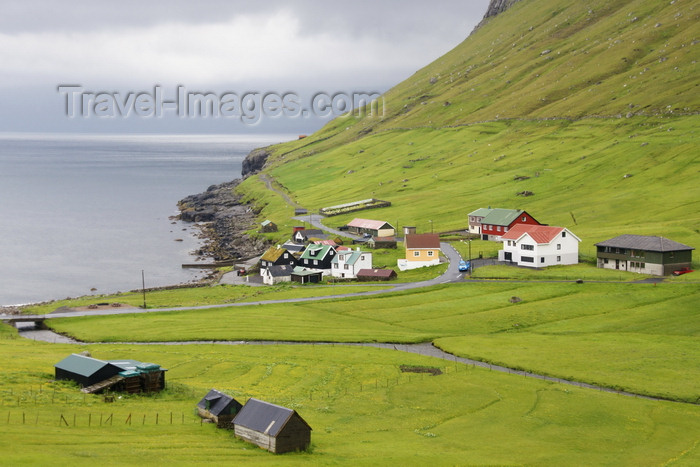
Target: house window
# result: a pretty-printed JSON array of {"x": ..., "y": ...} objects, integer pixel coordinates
[
  {"x": 563, "y": 234},
  {"x": 346, "y": 266},
  {"x": 527, "y": 247},
  {"x": 505, "y": 229},
  {"x": 286, "y": 255},
  {"x": 341, "y": 258},
  {"x": 605, "y": 260},
  {"x": 527, "y": 259},
  {"x": 362, "y": 258},
  {"x": 542, "y": 259},
  {"x": 671, "y": 255},
  {"x": 498, "y": 228},
  {"x": 642, "y": 266},
  {"x": 416, "y": 254},
  {"x": 315, "y": 262},
  {"x": 558, "y": 246},
  {"x": 558, "y": 259},
  {"x": 524, "y": 219},
  {"x": 430, "y": 253}
]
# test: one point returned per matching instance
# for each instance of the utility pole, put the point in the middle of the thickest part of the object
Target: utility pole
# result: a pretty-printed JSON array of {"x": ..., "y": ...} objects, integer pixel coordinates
[{"x": 143, "y": 288}]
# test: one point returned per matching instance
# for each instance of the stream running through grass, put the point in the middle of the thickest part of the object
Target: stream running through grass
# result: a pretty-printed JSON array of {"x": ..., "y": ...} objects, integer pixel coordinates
[{"x": 425, "y": 349}]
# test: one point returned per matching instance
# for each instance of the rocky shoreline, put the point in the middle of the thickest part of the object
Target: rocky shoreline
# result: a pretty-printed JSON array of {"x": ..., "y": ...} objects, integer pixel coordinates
[{"x": 223, "y": 218}]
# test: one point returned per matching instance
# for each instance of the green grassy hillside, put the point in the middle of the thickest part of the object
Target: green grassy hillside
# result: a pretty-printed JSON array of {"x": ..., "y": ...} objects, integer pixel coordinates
[{"x": 604, "y": 125}]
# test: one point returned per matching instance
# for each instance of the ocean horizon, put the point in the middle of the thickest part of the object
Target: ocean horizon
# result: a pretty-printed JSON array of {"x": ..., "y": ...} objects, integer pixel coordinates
[{"x": 85, "y": 214}]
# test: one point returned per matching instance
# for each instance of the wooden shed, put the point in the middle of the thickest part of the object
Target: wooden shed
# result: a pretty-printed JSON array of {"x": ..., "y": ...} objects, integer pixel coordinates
[
  {"x": 268, "y": 226},
  {"x": 376, "y": 275},
  {"x": 272, "y": 427},
  {"x": 219, "y": 408}
]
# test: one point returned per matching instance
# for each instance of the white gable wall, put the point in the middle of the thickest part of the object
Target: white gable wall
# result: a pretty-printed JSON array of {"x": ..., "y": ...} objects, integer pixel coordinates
[{"x": 560, "y": 251}]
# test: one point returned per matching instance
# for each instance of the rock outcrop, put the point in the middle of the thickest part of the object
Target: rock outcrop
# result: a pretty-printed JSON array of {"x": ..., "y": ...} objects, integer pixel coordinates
[
  {"x": 226, "y": 219},
  {"x": 498, "y": 6},
  {"x": 254, "y": 162}
]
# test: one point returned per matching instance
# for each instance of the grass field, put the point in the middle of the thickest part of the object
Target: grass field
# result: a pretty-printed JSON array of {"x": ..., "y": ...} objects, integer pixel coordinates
[
  {"x": 200, "y": 296},
  {"x": 640, "y": 326},
  {"x": 362, "y": 408}
]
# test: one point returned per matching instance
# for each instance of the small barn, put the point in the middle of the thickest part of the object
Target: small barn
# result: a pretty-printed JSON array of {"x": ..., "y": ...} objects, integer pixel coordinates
[
  {"x": 84, "y": 370},
  {"x": 121, "y": 375},
  {"x": 219, "y": 408},
  {"x": 381, "y": 242},
  {"x": 376, "y": 274},
  {"x": 306, "y": 276},
  {"x": 272, "y": 427},
  {"x": 268, "y": 226}
]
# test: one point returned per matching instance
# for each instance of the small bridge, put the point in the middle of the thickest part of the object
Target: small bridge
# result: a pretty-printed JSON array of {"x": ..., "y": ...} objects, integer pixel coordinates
[{"x": 14, "y": 320}]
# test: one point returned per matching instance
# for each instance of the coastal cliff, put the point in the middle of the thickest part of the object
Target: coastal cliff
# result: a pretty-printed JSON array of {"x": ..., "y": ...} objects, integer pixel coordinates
[{"x": 225, "y": 222}]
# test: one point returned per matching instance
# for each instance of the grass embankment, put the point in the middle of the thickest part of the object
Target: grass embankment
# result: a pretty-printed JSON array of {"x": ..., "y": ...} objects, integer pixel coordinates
[
  {"x": 201, "y": 296},
  {"x": 362, "y": 408},
  {"x": 652, "y": 328}
]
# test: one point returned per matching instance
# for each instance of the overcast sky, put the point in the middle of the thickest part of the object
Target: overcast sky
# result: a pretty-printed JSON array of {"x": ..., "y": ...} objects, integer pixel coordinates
[{"x": 128, "y": 47}]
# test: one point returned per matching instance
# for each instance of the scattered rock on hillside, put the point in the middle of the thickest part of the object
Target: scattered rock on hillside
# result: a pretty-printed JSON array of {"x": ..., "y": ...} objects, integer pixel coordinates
[{"x": 525, "y": 193}]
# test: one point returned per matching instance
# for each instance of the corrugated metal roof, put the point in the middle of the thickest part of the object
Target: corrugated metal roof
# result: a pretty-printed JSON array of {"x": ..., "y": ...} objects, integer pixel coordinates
[
  {"x": 541, "y": 234},
  {"x": 351, "y": 257},
  {"x": 263, "y": 417},
  {"x": 499, "y": 216},
  {"x": 644, "y": 242},
  {"x": 481, "y": 212},
  {"x": 369, "y": 224},
  {"x": 81, "y": 365},
  {"x": 414, "y": 241}
]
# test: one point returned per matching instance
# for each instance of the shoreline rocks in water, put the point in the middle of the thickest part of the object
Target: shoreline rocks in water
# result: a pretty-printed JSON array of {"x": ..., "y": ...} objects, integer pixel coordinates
[{"x": 226, "y": 219}]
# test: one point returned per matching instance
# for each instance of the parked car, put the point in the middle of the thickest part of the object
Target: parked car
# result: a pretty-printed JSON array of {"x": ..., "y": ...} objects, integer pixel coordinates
[
  {"x": 682, "y": 271},
  {"x": 464, "y": 265}
]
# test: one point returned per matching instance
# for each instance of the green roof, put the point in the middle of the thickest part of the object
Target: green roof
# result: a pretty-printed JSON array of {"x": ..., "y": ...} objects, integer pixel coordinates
[
  {"x": 481, "y": 212},
  {"x": 273, "y": 254},
  {"x": 81, "y": 365},
  {"x": 499, "y": 216},
  {"x": 354, "y": 255},
  {"x": 316, "y": 251}
]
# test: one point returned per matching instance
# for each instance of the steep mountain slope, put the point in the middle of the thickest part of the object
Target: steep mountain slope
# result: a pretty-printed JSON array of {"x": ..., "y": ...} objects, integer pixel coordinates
[{"x": 591, "y": 106}]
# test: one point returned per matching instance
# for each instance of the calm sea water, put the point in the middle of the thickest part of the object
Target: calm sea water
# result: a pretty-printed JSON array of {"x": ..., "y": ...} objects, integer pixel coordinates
[{"x": 83, "y": 212}]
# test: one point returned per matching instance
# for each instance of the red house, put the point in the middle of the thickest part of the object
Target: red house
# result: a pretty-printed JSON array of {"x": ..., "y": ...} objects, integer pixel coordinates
[{"x": 498, "y": 221}]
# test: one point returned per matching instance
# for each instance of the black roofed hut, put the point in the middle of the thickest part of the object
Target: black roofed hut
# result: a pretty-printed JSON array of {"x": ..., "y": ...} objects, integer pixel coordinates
[
  {"x": 218, "y": 407},
  {"x": 272, "y": 427}
]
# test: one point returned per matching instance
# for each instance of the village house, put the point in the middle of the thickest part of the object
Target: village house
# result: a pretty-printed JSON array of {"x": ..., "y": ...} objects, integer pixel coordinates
[
  {"x": 307, "y": 235},
  {"x": 643, "y": 254},
  {"x": 318, "y": 257},
  {"x": 492, "y": 223},
  {"x": 277, "y": 256},
  {"x": 421, "y": 250},
  {"x": 346, "y": 264},
  {"x": 376, "y": 275},
  {"x": 371, "y": 228},
  {"x": 96, "y": 375},
  {"x": 219, "y": 408},
  {"x": 272, "y": 427},
  {"x": 539, "y": 246},
  {"x": 272, "y": 275},
  {"x": 475, "y": 218}
]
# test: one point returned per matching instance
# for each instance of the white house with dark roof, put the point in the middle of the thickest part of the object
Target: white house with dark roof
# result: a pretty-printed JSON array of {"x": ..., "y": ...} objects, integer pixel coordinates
[
  {"x": 539, "y": 246},
  {"x": 346, "y": 264}
]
